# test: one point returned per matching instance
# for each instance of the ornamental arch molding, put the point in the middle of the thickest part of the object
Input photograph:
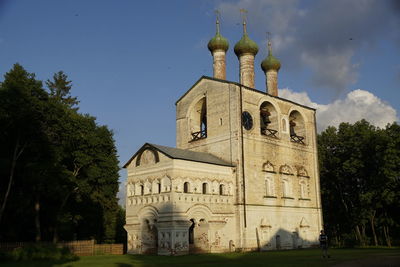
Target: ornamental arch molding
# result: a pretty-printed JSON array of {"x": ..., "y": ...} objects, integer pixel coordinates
[
  {"x": 285, "y": 169},
  {"x": 199, "y": 212},
  {"x": 149, "y": 213},
  {"x": 301, "y": 171},
  {"x": 268, "y": 167}
]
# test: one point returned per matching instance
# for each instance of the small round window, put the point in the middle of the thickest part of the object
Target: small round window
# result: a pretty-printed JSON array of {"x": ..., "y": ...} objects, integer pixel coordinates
[{"x": 247, "y": 120}]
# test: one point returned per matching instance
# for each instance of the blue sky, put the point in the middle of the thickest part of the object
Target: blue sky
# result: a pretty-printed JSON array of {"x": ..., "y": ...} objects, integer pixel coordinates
[{"x": 129, "y": 61}]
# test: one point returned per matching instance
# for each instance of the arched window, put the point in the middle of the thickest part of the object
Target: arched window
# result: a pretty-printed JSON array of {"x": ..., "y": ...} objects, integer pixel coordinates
[
  {"x": 186, "y": 187},
  {"x": 205, "y": 188},
  {"x": 222, "y": 189},
  {"x": 297, "y": 128},
  {"x": 269, "y": 186},
  {"x": 268, "y": 120},
  {"x": 165, "y": 184},
  {"x": 303, "y": 190},
  {"x": 198, "y": 120},
  {"x": 141, "y": 190},
  {"x": 285, "y": 188},
  {"x": 156, "y": 186}
]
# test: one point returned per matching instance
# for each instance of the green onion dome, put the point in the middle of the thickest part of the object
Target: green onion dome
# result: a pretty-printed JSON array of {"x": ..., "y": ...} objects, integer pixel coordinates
[
  {"x": 270, "y": 63},
  {"x": 246, "y": 45},
  {"x": 218, "y": 42}
]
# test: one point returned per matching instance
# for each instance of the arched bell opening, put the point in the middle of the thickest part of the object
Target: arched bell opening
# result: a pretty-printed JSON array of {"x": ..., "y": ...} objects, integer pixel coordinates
[
  {"x": 297, "y": 128},
  {"x": 269, "y": 125},
  {"x": 198, "y": 120}
]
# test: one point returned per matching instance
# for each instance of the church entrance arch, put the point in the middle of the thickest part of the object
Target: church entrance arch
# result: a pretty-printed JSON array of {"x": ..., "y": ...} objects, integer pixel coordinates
[
  {"x": 149, "y": 237},
  {"x": 199, "y": 235},
  {"x": 191, "y": 232},
  {"x": 148, "y": 230}
]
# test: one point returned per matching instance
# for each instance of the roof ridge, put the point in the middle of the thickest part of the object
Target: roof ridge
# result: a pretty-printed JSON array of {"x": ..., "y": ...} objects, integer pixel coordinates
[{"x": 183, "y": 154}]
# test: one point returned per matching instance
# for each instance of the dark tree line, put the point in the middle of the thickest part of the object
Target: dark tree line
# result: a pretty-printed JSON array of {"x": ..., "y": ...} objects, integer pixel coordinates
[
  {"x": 360, "y": 183},
  {"x": 58, "y": 167}
]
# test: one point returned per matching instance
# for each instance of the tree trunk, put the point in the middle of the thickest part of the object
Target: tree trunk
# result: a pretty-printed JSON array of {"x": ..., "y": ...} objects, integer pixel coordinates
[
  {"x": 16, "y": 154},
  {"x": 358, "y": 235},
  {"x": 364, "y": 236},
  {"x": 372, "y": 220},
  {"x": 55, "y": 233},
  {"x": 37, "y": 220},
  {"x": 387, "y": 236}
]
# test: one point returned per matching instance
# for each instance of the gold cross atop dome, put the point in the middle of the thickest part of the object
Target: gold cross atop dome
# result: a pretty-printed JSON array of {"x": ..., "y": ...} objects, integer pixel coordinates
[
  {"x": 218, "y": 15},
  {"x": 244, "y": 18}
]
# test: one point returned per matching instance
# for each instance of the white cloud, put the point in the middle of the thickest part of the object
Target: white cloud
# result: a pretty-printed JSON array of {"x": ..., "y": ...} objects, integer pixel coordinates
[
  {"x": 358, "y": 104},
  {"x": 324, "y": 36}
]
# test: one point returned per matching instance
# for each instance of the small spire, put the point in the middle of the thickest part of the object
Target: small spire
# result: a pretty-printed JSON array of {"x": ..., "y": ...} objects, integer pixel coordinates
[
  {"x": 244, "y": 13},
  {"x": 269, "y": 43},
  {"x": 217, "y": 14},
  {"x": 218, "y": 41}
]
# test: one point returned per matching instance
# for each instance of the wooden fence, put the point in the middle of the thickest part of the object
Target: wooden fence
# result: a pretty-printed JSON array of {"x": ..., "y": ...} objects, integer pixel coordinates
[{"x": 79, "y": 248}]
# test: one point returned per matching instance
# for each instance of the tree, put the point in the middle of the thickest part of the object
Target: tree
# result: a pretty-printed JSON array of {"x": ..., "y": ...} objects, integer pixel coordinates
[
  {"x": 359, "y": 166},
  {"x": 21, "y": 118},
  {"x": 60, "y": 89},
  {"x": 59, "y": 169}
]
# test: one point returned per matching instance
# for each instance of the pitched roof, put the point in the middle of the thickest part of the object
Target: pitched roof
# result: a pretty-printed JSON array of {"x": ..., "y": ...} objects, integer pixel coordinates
[
  {"x": 242, "y": 86},
  {"x": 177, "y": 153}
]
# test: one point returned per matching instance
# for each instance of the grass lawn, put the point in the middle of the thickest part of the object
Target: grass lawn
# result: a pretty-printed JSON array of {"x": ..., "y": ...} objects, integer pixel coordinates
[{"x": 307, "y": 257}]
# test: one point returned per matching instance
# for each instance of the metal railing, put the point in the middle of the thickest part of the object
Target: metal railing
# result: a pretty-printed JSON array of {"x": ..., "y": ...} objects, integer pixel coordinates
[
  {"x": 297, "y": 139},
  {"x": 199, "y": 135},
  {"x": 269, "y": 132}
]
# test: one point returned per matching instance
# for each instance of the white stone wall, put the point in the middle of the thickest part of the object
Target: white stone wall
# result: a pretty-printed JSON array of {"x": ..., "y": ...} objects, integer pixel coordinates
[
  {"x": 219, "y": 64},
  {"x": 271, "y": 197},
  {"x": 170, "y": 210},
  {"x": 294, "y": 165}
]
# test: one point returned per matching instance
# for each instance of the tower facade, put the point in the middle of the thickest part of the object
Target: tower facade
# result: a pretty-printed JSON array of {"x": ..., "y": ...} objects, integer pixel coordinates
[{"x": 243, "y": 175}]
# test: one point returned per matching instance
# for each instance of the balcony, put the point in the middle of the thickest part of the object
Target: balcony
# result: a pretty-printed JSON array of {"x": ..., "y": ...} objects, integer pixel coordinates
[
  {"x": 269, "y": 132},
  {"x": 199, "y": 135},
  {"x": 297, "y": 139}
]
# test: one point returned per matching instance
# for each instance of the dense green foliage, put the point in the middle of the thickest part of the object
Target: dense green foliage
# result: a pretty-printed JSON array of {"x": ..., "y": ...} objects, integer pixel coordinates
[
  {"x": 360, "y": 183},
  {"x": 39, "y": 252},
  {"x": 58, "y": 168}
]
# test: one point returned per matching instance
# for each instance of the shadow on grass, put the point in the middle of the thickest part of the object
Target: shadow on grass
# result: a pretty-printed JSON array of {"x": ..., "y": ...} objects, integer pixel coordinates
[
  {"x": 304, "y": 257},
  {"x": 39, "y": 263}
]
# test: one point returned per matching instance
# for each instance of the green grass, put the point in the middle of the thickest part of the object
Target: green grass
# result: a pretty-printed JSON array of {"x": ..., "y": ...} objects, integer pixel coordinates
[{"x": 307, "y": 257}]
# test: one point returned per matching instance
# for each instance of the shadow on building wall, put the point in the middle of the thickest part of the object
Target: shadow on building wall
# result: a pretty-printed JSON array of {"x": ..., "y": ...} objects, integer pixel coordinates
[{"x": 161, "y": 229}]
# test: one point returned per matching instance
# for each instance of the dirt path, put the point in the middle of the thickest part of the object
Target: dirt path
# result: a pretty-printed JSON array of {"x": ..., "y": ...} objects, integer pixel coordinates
[{"x": 376, "y": 261}]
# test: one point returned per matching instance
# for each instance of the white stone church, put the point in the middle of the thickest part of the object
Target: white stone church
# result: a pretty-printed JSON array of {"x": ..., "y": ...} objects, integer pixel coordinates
[{"x": 244, "y": 173}]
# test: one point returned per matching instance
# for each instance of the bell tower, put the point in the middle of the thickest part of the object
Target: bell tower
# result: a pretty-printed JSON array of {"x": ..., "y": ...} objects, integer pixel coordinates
[
  {"x": 246, "y": 49},
  {"x": 218, "y": 46},
  {"x": 271, "y": 66}
]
